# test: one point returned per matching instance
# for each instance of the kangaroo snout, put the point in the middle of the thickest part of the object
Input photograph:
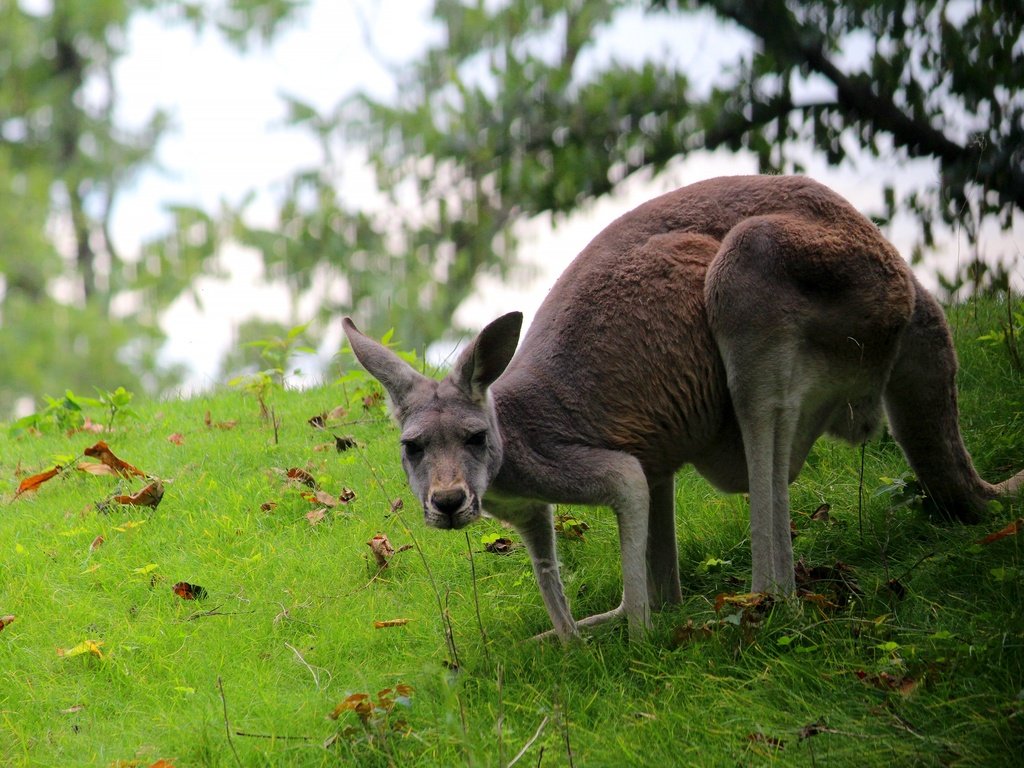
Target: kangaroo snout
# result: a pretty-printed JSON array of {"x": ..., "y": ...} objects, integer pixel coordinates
[{"x": 450, "y": 507}]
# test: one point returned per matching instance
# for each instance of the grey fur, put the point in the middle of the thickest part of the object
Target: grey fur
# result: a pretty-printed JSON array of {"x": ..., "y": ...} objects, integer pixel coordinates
[{"x": 727, "y": 325}]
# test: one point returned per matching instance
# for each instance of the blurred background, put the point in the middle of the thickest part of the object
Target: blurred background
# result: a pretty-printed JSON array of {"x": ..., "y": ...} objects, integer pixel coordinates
[{"x": 181, "y": 179}]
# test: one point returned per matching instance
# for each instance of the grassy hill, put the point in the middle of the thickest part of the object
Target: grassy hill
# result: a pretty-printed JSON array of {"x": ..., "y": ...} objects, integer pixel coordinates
[{"x": 908, "y": 648}]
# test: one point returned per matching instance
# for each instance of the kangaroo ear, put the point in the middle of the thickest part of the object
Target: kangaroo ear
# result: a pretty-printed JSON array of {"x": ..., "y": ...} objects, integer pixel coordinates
[
  {"x": 397, "y": 376},
  {"x": 487, "y": 356}
]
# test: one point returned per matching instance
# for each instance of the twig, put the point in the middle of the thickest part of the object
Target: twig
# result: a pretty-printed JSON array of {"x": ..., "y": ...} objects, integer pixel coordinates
[
  {"x": 214, "y": 612},
  {"x": 529, "y": 743},
  {"x": 227, "y": 724},
  {"x": 316, "y": 678},
  {"x": 273, "y": 736},
  {"x": 476, "y": 603}
]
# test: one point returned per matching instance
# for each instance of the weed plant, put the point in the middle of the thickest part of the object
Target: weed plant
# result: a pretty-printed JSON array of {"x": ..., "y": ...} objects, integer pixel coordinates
[{"x": 908, "y": 649}]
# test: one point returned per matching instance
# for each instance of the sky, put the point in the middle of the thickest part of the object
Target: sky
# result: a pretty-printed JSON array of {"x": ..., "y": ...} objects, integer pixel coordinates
[{"x": 229, "y": 140}]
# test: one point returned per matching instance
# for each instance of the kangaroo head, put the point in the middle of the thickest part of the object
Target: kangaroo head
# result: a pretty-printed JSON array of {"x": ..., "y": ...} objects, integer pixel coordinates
[{"x": 451, "y": 444}]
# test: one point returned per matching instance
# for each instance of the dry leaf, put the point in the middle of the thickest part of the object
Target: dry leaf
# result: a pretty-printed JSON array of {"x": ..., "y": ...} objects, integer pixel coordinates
[
  {"x": 382, "y": 549},
  {"x": 746, "y": 600},
  {"x": 5, "y": 621},
  {"x": 301, "y": 476},
  {"x": 346, "y": 495},
  {"x": 359, "y": 703},
  {"x": 85, "y": 647},
  {"x": 96, "y": 543},
  {"x": 344, "y": 443},
  {"x": 208, "y": 421},
  {"x": 318, "y": 422},
  {"x": 95, "y": 468},
  {"x": 33, "y": 483},
  {"x": 396, "y": 505},
  {"x": 162, "y": 763},
  {"x": 187, "y": 591},
  {"x": 390, "y": 623},
  {"x": 73, "y": 709},
  {"x": 315, "y": 516},
  {"x": 821, "y": 513},
  {"x": 500, "y": 546},
  {"x": 771, "y": 741},
  {"x": 102, "y": 452},
  {"x": 149, "y": 496},
  {"x": 321, "y": 497},
  {"x": 1010, "y": 530},
  {"x": 176, "y": 439},
  {"x": 267, "y": 506}
]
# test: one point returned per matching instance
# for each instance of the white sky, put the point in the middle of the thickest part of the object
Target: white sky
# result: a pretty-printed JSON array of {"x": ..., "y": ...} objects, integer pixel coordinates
[{"x": 229, "y": 140}]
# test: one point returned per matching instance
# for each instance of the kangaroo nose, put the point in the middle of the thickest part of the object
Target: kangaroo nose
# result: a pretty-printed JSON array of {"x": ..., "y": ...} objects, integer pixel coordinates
[{"x": 449, "y": 501}]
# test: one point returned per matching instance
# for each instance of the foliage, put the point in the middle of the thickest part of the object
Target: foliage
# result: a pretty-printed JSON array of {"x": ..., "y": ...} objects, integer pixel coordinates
[
  {"x": 517, "y": 110},
  {"x": 76, "y": 309}
]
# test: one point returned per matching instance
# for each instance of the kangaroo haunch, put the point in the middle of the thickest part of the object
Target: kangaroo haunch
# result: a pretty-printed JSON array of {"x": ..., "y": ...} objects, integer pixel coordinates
[{"x": 726, "y": 325}]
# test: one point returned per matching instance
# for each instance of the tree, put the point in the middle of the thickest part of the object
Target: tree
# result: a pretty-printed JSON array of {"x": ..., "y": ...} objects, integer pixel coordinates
[
  {"x": 75, "y": 311},
  {"x": 509, "y": 116}
]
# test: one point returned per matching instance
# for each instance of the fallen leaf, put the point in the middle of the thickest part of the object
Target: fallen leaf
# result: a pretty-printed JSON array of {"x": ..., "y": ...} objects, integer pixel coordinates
[
  {"x": 396, "y": 505},
  {"x": 814, "y": 729},
  {"x": 207, "y": 419},
  {"x": 73, "y": 709},
  {"x": 95, "y": 468},
  {"x": 344, "y": 443},
  {"x": 1010, "y": 530},
  {"x": 382, "y": 549},
  {"x": 689, "y": 632},
  {"x": 187, "y": 591},
  {"x": 128, "y": 525},
  {"x": 346, "y": 495},
  {"x": 315, "y": 516},
  {"x": 570, "y": 527},
  {"x": 33, "y": 483},
  {"x": 102, "y": 452},
  {"x": 162, "y": 763},
  {"x": 301, "y": 476},
  {"x": 96, "y": 543},
  {"x": 821, "y": 513},
  {"x": 88, "y": 425},
  {"x": 321, "y": 497},
  {"x": 318, "y": 422},
  {"x": 267, "y": 506},
  {"x": 500, "y": 546},
  {"x": 6, "y": 621},
  {"x": 746, "y": 600},
  {"x": 390, "y": 623},
  {"x": 176, "y": 439},
  {"x": 85, "y": 647},
  {"x": 149, "y": 496}
]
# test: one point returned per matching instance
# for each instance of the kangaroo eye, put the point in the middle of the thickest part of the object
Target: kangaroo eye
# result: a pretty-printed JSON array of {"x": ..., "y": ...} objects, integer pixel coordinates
[
  {"x": 412, "y": 449},
  {"x": 477, "y": 440}
]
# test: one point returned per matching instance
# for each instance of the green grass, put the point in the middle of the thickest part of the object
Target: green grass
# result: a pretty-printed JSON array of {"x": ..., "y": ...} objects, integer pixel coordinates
[{"x": 929, "y": 672}]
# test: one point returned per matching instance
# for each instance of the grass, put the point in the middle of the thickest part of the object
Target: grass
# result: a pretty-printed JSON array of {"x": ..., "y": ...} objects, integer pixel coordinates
[{"x": 922, "y": 665}]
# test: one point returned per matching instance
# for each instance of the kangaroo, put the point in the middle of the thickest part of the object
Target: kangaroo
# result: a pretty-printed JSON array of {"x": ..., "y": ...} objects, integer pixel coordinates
[{"x": 727, "y": 325}]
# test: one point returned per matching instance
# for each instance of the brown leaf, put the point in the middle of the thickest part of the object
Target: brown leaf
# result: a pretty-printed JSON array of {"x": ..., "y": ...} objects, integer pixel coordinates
[
  {"x": 321, "y": 497},
  {"x": 6, "y": 621},
  {"x": 821, "y": 513},
  {"x": 390, "y": 623},
  {"x": 301, "y": 476},
  {"x": 318, "y": 422},
  {"x": 346, "y": 495},
  {"x": 207, "y": 420},
  {"x": 102, "y": 452},
  {"x": 814, "y": 729},
  {"x": 95, "y": 468},
  {"x": 176, "y": 439},
  {"x": 396, "y": 504},
  {"x": 149, "y": 496},
  {"x": 359, "y": 703},
  {"x": 96, "y": 543},
  {"x": 33, "y": 483},
  {"x": 746, "y": 600},
  {"x": 1010, "y": 530},
  {"x": 382, "y": 549},
  {"x": 500, "y": 546},
  {"x": 315, "y": 516},
  {"x": 187, "y": 591},
  {"x": 268, "y": 506},
  {"x": 689, "y": 632},
  {"x": 343, "y": 443}
]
